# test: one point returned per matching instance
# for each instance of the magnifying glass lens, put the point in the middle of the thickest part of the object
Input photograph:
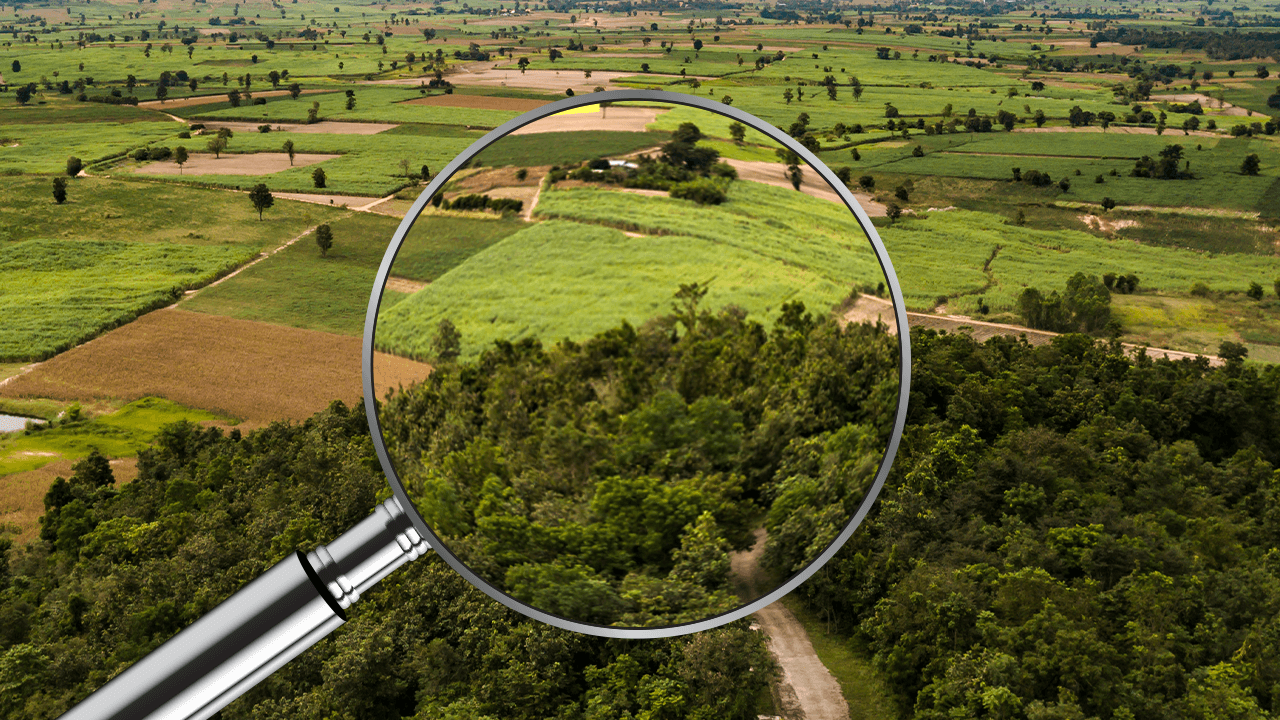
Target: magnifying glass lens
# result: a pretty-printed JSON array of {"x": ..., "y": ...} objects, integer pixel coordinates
[{"x": 665, "y": 368}]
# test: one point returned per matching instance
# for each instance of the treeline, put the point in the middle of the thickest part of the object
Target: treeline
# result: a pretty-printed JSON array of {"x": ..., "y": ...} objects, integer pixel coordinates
[
  {"x": 1072, "y": 533},
  {"x": 117, "y": 570},
  {"x": 606, "y": 481},
  {"x": 1218, "y": 46}
]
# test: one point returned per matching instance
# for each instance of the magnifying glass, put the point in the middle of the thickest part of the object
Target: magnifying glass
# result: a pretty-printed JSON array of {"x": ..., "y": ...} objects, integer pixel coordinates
[{"x": 669, "y": 375}]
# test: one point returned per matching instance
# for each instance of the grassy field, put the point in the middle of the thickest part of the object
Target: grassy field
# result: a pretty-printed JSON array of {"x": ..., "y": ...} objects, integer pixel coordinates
[
  {"x": 102, "y": 209},
  {"x": 566, "y": 148},
  {"x": 942, "y": 254},
  {"x": 299, "y": 288},
  {"x": 562, "y": 279},
  {"x": 117, "y": 434},
  {"x": 56, "y": 294}
]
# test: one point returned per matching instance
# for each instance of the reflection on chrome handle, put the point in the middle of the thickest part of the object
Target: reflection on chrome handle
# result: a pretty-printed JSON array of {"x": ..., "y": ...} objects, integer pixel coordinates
[{"x": 266, "y": 624}]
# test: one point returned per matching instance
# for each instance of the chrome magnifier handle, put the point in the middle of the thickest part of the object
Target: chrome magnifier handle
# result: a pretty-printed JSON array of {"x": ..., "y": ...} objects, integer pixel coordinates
[{"x": 264, "y": 625}]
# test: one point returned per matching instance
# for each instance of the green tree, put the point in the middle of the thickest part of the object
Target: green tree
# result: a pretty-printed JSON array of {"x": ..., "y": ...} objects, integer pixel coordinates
[
  {"x": 289, "y": 150},
  {"x": 738, "y": 132},
  {"x": 446, "y": 345},
  {"x": 233, "y": 97},
  {"x": 1251, "y": 165},
  {"x": 261, "y": 198},
  {"x": 60, "y": 190},
  {"x": 324, "y": 239},
  {"x": 74, "y": 166},
  {"x": 1255, "y": 291},
  {"x": 180, "y": 156},
  {"x": 15, "y": 66},
  {"x": 318, "y": 177},
  {"x": 295, "y": 90},
  {"x": 216, "y": 145}
]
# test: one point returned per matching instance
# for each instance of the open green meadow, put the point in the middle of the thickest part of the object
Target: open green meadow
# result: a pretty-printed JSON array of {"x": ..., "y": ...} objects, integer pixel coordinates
[
  {"x": 55, "y": 294},
  {"x": 120, "y": 433},
  {"x": 764, "y": 247},
  {"x": 300, "y": 288}
]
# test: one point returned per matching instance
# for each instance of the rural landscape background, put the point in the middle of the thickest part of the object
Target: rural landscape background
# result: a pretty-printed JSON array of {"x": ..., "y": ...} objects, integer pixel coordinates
[{"x": 1079, "y": 200}]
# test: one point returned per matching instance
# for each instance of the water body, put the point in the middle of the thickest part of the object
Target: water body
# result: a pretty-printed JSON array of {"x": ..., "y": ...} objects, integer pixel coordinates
[{"x": 14, "y": 423}]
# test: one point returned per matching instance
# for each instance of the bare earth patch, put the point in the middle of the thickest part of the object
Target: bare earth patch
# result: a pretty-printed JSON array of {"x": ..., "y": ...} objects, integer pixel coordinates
[
  {"x": 1208, "y": 103},
  {"x": 242, "y": 164},
  {"x": 478, "y": 102},
  {"x": 255, "y": 371},
  {"x": 625, "y": 119},
  {"x": 1106, "y": 226},
  {"x": 355, "y": 202},
  {"x": 324, "y": 127},
  {"x": 404, "y": 285}
]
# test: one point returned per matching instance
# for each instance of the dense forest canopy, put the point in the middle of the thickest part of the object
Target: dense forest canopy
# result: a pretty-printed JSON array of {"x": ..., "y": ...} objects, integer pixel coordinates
[
  {"x": 1071, "y": 533},
  {"x": 118, "y": 571},
  {"x": 1067, "y": 533},
  {"x": 606, "y": 481}
]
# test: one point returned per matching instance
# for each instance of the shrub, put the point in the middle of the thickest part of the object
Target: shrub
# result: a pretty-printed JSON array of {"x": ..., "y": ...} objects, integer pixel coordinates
[
  {"x": 1254, "y": 292},
  {"x": 318, "y": 177},
  {"x": 702, "y": 191},
  {"x": 867, "y": 182},
  {"x": 1200, "y": 289}
]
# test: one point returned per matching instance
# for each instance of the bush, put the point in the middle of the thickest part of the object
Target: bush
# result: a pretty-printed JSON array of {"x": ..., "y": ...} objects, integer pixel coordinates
[
  {"x": 264, "y": 128},
  {"x": 1254, "y": 292},
  {"x": 522, "y": 173},
  {"x": 259, "y": 101},
  {"x": 159, "y": 153},
  {"x": 1200, "y": 289},
  {"x": 701, "y": 191},
  {"x": 318, "y": 177},
  {"x": 866, "y": 182},
  {"x": 74, "y": 166}
]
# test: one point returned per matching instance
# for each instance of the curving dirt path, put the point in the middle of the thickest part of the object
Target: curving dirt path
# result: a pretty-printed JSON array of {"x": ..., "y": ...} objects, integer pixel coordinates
[{"x": 807, "y": 690}]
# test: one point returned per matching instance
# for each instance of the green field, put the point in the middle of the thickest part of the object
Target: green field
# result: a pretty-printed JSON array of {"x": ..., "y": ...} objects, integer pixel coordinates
[
  {"x": 56, "y": 294},
  {"x": 121, "y": 433},
  {"x": 569, "y": 279},
  {"x": 299, "y": 288}
]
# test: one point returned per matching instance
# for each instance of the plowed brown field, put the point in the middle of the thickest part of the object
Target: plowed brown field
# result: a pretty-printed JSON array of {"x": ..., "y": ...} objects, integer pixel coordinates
[{"x": 250, "y": 370}]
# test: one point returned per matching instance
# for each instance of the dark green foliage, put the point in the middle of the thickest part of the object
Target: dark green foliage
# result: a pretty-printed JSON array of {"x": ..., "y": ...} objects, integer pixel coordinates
[
  {"x": 588, "y": 478},
  {"x": 1072, "y": 532},
  {"x": 1250, "y": 165},
  {"x": 1085, "y": 306},
  {"x": 60, "y": 190},
  {"x": 1167, "y": 167},
  {"x": 447, "y": 344},
  {"x": 261, "y": 198},
  {"x": 701, "y": 190},
  {"x": 74, "y": 166},
  {"x": 324, "y": 238},
  {"x": 207, "y": 513},
  {"x": 484, "y": 202},
  {"x": 318, "y": 177},
  {"x": 1255, "y": 291}
]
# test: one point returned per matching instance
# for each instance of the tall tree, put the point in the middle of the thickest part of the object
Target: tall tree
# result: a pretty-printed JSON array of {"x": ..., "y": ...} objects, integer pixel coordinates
[
  {"x": 324, "y": 239},
  {"x": 60, "y": 190},
  {"x": 180, "y": 156},
  {"x": 261, "y": 198}
]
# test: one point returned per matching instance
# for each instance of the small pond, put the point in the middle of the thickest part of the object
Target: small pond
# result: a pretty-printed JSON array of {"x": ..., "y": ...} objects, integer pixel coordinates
[{"x": 13, "y": 423}]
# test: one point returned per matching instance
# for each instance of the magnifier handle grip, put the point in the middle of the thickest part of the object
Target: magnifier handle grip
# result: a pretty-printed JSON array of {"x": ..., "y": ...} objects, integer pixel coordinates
[{"x": 264, "y": 625}]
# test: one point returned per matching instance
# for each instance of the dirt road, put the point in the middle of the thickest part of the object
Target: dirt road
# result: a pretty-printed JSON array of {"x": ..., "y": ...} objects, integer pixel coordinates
[{"x": 807, "y": 690}]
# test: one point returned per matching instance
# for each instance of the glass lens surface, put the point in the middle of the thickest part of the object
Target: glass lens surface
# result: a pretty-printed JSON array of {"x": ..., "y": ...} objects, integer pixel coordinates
[{"x": 665, "y": 365}]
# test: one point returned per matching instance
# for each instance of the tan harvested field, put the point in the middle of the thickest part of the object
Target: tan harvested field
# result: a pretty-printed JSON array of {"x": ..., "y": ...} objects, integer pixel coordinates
[
  {"x": 625, "y": 119},
  {"x": 1208, "y": 103},
  {"x": 478, "y": 102},
  {"x": 22, "y": 494},
  {"x": 242, "y": 164},
  {"x": 324, "y": 127},
  {"x": 254, "y": 371},
  {"x": 206, "y": 99}
]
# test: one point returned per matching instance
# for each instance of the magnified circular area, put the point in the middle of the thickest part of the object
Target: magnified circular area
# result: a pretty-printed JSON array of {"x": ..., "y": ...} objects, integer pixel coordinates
[{"x": 665, "y": 368}]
